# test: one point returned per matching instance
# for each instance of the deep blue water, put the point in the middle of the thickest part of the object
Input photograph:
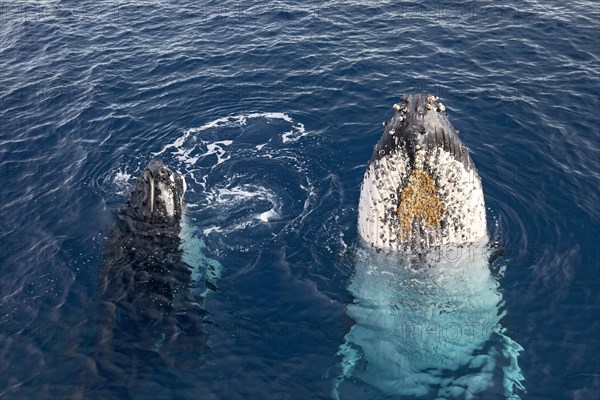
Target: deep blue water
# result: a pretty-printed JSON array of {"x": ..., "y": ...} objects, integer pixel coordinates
[{"x": 271, "y": 111}]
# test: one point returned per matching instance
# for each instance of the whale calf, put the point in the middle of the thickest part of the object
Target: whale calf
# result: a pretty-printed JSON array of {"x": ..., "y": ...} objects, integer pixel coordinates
[
  {"x": 426, "y": 306},
  {"x": 144, "y": 284},
  {"x": 150, "y": 322}
]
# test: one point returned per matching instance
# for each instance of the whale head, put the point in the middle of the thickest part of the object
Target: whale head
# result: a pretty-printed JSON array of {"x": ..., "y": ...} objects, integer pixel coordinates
[
  {"x": 158, "y": 194},
  {"x": 421, "y": 189}
]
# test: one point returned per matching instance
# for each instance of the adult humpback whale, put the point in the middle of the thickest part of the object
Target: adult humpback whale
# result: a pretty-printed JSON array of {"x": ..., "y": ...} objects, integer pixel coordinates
[{"x": 426, "y": 307}]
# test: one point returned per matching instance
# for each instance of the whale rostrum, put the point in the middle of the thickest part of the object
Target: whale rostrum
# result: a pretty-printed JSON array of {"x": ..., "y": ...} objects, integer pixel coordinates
[{"x": 421, "y": 189}]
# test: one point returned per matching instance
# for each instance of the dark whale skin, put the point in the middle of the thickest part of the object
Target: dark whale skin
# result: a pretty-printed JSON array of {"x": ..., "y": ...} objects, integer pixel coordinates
[{"x": 145, "y": 289}]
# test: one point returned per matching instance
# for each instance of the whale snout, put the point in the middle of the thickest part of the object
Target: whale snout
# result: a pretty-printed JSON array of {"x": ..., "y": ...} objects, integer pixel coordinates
[
  {"x": 159, "y": 170},
  {"x": 421, "y": 124},
  {"x": 158, "y": 193}
]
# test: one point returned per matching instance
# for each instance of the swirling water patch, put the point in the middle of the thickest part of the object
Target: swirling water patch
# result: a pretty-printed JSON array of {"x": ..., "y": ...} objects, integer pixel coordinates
[{"x": 241, "y": 186}]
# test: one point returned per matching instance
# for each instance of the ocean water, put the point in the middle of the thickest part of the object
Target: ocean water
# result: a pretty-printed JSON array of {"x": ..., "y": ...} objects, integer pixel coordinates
[{"x": 271, "y": 111}]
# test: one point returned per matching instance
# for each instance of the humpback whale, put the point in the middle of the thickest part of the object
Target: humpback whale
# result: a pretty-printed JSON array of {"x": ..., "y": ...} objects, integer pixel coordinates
[
  {"x": 426, "y": 306},
  {"x": 145, "y": 288},
  {"x": 150, "y": 317}
]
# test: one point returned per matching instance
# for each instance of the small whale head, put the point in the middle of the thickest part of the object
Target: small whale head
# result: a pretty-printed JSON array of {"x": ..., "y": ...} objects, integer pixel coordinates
[{"x": 158, "y": 194}]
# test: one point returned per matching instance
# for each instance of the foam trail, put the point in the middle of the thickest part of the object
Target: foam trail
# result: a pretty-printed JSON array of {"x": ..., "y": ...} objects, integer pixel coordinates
[
  {"x": 433, "y": 331},
  {"x": 297, "y": 131}
]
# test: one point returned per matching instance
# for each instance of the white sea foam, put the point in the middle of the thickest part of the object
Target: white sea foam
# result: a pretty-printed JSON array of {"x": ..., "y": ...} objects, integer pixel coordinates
[
  {"x": 121, "y": 180},
  {"x": 191, "y": 147},
  {"x": 210, "y": 230},
  {"x": 295, "y": 133},
  {"x": 122, "y": 177},
  {"x": 267, "y": 215},
  {"x": 233, "y": 198},
  {"x": 230, "y": 199}
]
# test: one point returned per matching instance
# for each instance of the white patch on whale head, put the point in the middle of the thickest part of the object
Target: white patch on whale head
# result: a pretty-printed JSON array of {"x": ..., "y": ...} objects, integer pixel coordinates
[
  {"x": 151, "y": 195},
  {"x": 167, "y": 198}
]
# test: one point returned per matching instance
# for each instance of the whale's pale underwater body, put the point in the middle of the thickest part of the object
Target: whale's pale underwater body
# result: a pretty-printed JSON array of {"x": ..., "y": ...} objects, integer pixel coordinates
[{"x": 426, "y": 306}]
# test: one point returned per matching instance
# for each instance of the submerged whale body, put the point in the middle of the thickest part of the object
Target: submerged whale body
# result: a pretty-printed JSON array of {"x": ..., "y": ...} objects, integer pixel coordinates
[
  {"x": 426, "y": 306},
  {"x": 144, "y": 285},
  {"x": 150, "y": 319}
]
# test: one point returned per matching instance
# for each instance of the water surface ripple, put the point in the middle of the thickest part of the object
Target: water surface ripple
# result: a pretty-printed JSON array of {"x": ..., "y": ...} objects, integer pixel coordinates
[{"x": 271, "y": 110}]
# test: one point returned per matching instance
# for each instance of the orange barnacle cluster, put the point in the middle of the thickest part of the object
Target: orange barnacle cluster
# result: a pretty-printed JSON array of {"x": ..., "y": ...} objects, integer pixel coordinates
[{"x": 419, "y": 199}]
